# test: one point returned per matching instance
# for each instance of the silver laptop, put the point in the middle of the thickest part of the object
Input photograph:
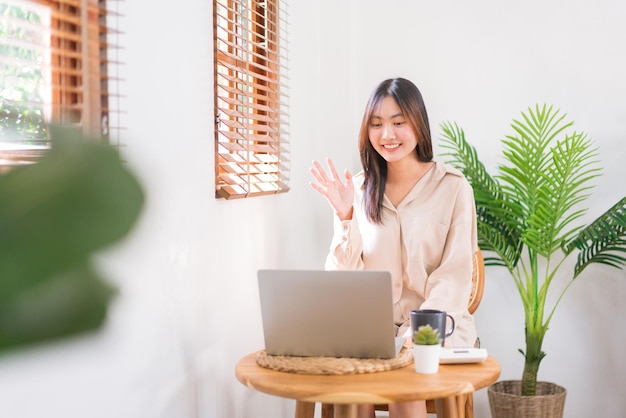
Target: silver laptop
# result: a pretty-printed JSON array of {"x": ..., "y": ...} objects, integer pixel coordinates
[{"x": 328, "y": 313}]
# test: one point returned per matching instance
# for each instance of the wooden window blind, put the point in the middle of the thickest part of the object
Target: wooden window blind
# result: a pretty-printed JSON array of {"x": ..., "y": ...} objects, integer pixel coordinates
[
  {"x": 251, "y": 98},
  {"x": 58, "y": 61}
]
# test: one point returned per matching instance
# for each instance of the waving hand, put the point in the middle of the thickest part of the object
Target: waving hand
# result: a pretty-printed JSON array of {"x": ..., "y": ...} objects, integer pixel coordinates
[{"x": 340, "y": 195}]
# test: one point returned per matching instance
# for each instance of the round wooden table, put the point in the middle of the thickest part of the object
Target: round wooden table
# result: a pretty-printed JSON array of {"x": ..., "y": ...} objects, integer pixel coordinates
[{"x": 449, "y": 387}]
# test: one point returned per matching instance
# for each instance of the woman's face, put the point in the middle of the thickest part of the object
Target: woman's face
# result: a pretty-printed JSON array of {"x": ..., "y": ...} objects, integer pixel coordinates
[{"x": 390, "y": 133}]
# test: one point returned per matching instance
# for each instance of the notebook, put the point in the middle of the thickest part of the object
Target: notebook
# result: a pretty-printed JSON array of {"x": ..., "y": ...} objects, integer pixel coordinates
[{"x": 328, "y": 313}]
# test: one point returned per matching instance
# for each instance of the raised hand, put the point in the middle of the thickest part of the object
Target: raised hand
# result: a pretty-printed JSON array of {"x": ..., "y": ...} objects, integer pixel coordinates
[{"x": 340, "y": 195}]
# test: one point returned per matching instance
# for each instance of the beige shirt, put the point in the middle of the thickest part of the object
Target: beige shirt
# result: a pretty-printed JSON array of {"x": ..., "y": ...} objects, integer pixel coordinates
[{"x": 427, "y": 243}]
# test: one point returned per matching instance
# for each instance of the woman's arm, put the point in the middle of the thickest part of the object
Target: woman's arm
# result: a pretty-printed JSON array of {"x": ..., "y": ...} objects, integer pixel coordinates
[
  {"x": 448, "y": 286},
  {"x": 346, "y": 246}
]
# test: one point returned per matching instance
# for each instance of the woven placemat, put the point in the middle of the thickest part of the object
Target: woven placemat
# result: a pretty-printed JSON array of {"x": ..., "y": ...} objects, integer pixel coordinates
[{"x": 332, "y": 365}]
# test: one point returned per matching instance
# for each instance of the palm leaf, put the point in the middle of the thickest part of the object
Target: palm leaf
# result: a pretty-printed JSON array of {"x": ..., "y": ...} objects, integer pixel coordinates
[
  {"x": 561, "y": 186},
  {"x": 496, "y": 213},
  {"x": 602, "y": 241},
  {"x": 526, "y": 153}
]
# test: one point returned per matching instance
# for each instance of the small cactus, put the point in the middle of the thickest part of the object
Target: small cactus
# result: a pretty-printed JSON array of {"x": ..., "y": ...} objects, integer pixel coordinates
[{"x": 426, "y": 335}]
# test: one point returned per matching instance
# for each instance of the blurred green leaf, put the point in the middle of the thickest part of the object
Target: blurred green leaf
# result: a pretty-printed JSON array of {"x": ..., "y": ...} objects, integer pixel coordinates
[{"x": 54, "y": 215}]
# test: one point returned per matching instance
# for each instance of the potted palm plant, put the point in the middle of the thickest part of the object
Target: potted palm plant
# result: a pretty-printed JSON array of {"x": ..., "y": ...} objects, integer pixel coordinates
[{"x": 527, "y": 222}]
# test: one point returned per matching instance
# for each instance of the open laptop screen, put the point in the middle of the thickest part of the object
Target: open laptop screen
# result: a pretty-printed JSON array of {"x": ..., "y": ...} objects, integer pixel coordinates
[{"x": 344, "y": 313}]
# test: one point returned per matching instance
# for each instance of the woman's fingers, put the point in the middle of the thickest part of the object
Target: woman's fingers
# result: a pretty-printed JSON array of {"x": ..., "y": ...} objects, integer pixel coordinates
[
  {"x": 338, "y": 194},
  {"x": 331, "y": 166},
  {"x": 316, "y": 175},
  {"x": 318, "y": 187},
  {"x": 321, "y": 183},
  {"x": 331, "y": 185},
  {"x": 319, "y": 173}
]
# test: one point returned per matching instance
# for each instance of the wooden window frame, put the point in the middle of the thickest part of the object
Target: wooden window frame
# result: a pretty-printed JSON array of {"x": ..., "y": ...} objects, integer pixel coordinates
[
  {"x": 251, "y": 110},
  {"x": 84, "y": 84}
]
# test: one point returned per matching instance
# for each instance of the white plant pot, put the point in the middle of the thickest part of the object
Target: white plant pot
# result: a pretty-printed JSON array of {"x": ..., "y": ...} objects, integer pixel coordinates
[{"x": 426, "y": 358}]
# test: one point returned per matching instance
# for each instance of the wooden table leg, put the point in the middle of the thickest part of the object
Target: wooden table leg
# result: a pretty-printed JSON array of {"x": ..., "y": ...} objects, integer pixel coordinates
[
  {"x": 328, "y": 410},
  {"x": 469, "y": 405},
  {"x": 305, "y": 409},
  {"x": 452, "y": 407},
  {"x": 346, "y": 410}
]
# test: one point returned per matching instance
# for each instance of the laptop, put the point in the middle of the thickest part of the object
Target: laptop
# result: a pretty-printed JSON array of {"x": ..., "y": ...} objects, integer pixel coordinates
[{"x": 345, "y": 313}]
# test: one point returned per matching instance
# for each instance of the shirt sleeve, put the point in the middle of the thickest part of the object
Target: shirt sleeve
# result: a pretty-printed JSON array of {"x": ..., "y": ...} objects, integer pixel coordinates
[
  {"x": 346, "y": 246},
  {"x": 448, "y": 287}
]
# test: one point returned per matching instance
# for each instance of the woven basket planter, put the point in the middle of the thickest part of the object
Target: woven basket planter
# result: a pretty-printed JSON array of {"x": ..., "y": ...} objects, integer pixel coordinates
[{"x": 506, "y": 401}]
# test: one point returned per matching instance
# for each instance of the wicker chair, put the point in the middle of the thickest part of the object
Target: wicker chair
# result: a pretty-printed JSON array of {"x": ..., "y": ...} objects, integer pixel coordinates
[{"x": 478, "y": 285}]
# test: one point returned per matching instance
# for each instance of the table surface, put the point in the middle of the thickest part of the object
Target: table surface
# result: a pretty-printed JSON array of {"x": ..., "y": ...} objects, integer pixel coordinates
[{"x": 398, "y": 385}]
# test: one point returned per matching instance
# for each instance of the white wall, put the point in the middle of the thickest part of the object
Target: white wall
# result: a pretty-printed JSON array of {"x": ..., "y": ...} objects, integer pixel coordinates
[{"x": 188, "y": 309}]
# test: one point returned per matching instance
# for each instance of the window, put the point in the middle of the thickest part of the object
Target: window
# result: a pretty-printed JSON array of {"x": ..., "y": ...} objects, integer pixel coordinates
[
  {"x": 57, "y": 65},
  {"x": 251, "y": 137}
]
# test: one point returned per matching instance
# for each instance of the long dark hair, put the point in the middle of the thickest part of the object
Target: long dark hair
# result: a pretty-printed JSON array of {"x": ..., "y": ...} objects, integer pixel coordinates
[{"x": 409, "y": 99}]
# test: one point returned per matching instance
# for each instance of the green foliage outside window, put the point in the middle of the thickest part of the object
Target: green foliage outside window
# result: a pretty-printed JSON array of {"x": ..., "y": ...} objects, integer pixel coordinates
[{"x": 22, "y": 77}]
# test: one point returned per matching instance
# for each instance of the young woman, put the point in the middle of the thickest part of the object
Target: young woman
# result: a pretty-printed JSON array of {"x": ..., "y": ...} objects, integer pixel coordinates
[{"x": 406, "y": 214}]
